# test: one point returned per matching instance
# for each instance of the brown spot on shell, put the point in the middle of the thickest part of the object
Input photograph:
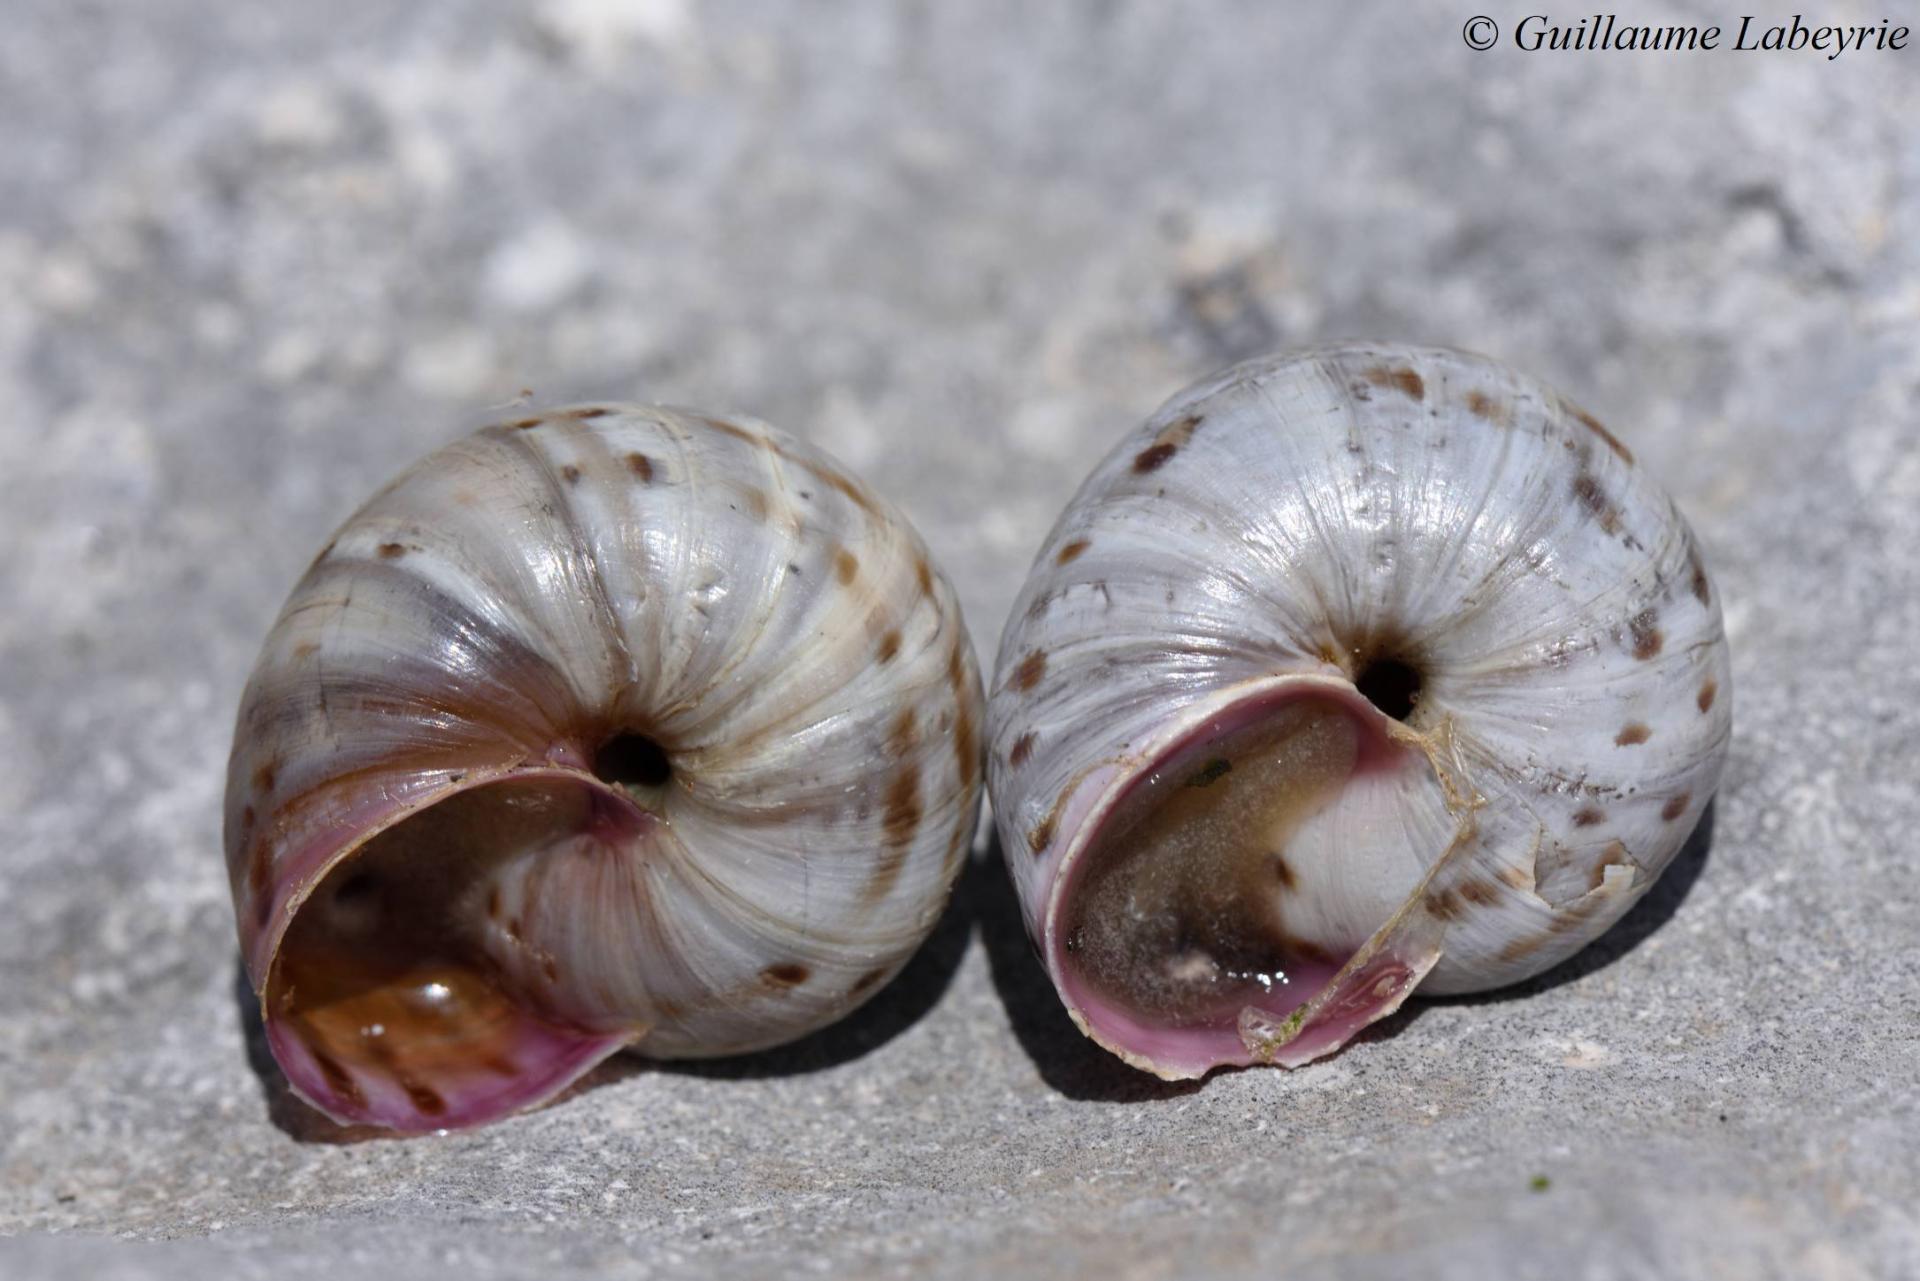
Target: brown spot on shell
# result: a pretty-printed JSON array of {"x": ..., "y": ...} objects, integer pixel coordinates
[
  {"x": 265, "y": 777},
  {"x": 1587, "y": 490},
  {"x": 1071, "y": 551},
  {"x": 1676, "y": 806},
  {"x": 1708, "y": 689},
  {"x": 306, "y": 649},
  {"x": 1588, "y": 816},
  {"x": 500, "y": 1065},
  {"x": 786, "y": 974},
  {"x": 1481, "y": 405},
  {"x": 1402, "y": 379},
  {"x": 758, "y": 505},
  {"x": 1632, "y": 733},
  {"x": 550, "y": 968},
  {"x": 493, "y": 902},
  {"x": 1517, "y": 877},
  {"x": 338, "y": 1080},
  {"x": 1595, "y": 426},
  {"x": 924, "y": 573},
  {"x": 1647, "y": 638},
  {"x": 1483, "y": 893},
  {"x": 1284, "y": 873},
  {"x": 1697, "y": 573},
  {"x": 570, "y": 474},
  {"x": 1030, "y": 670},
  {"x": 594, "y": 411},
  {"x": 1152, "y": 458},
  {"x": 1167, "y": 442},
  {"x": 1041, "y": 835},
  {"x": 392, "y": 551},
  {"x": 845, "y": 566},
  {"x": 1022, "y": 749},
  {"x": 889, "y": 646},
  {"x": 642, "y": 466},
  {"x": 1444, "y": 904},
  {"x": 525, "y": 424},
  {"x": 424, "y": 1097},
  {"x": 868, "y": 981}
]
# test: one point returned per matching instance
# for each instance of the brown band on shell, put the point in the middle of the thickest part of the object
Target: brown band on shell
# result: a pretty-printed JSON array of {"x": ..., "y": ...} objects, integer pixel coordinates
[
  {"x": 901, "y": 808},
  {"x": 966, "y": 735},
  {"x": 1524, "y": 947},
  {"x": 1595, "y": 426}
]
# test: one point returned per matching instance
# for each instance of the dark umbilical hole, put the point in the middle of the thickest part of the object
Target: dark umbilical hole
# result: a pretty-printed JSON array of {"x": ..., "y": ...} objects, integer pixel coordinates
[
  {"x": 1390, "y": 684},
  {"x": 634, "y": 759}
]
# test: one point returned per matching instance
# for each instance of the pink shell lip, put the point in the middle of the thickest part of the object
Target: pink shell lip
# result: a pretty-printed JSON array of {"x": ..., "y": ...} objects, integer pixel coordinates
[
  {"x": 1301, "y": 1022},
  {"x": 546, "y": 1055}
]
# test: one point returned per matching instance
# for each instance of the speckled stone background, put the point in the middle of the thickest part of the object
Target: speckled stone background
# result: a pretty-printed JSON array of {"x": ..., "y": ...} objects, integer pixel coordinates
[{"x": 253, "y": 258}]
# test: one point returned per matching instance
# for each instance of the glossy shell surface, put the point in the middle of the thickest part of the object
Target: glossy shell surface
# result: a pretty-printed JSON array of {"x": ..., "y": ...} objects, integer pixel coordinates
[
  {"x": 1306, "y": 543},
  {"x": 612, "y": 726}
]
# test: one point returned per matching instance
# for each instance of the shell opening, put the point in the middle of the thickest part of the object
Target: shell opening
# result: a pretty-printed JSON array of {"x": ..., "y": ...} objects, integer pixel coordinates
[
  {"x": 632, "y": 760},
  {"x": 394, "y": 997},
  {"x": 1182, "y": 909}
]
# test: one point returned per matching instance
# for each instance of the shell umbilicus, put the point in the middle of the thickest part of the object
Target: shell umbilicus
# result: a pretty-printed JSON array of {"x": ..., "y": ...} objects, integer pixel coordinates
[
  {"x": 1354, "y": 670},
  {"x": 609, "y": 727}
]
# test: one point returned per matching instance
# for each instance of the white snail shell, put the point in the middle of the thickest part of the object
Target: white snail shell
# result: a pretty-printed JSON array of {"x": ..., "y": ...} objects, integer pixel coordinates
[
  {"x": 613, "y": 726},
  {"x": 1226, "y": 848}
]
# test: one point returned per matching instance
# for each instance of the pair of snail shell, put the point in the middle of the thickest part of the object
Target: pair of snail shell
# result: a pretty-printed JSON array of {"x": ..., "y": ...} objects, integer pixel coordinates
[{"x": 1353, "y": 670}]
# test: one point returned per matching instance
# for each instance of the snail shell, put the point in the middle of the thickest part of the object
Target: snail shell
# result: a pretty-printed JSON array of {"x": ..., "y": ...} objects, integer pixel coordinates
[
  {"x": 1353, "y": 669},
  {"x": 611, "y": 727}
]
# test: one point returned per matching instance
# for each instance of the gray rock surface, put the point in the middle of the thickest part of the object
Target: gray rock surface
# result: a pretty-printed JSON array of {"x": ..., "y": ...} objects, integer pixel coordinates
[{"x": 253, "y": 258}]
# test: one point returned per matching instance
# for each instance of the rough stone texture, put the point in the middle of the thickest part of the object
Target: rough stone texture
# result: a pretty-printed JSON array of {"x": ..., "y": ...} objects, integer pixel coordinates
[{"x": 253, "y": 258}]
